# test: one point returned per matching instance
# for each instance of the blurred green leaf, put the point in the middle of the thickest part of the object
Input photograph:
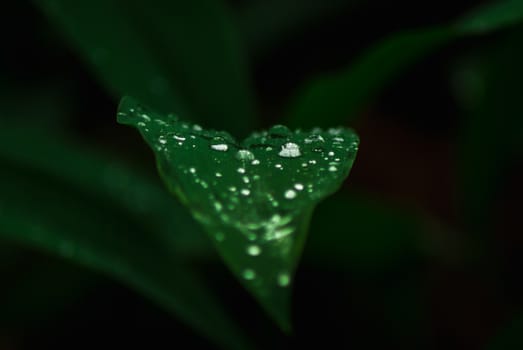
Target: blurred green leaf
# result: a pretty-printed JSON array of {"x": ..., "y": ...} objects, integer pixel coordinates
[
  {"x": 254, "y": 198},
  {"x": 492, "y": 16},
  {"x": 381, "y": 248},
  {"x": 377, "y": 236},
  {"x": 492, "y": 128},
  {"x": 181, "y": 56},
  {"x": 59, "y": 285},
  {"x": 510, "y": 337},
  {"x": 335, "y": 98},
  {"x": 338, "y": 97},
  {"x": 266, "y": 23},
  {"x": 104, "y": 178},
  {"x": 64, "y": 202}
]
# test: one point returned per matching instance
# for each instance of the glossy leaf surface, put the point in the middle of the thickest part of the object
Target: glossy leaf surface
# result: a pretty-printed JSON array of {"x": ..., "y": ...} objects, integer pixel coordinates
[{"x": 254, "y": 198}]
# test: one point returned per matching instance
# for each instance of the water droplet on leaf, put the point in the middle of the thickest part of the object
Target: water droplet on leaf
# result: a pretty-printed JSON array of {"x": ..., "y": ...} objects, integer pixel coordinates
[
  {"x": 220, "y": 147},
  {"x": 290, "y": 150},
  {"x": 290, "y": 194},
  {"x": 249, "y": 274}
]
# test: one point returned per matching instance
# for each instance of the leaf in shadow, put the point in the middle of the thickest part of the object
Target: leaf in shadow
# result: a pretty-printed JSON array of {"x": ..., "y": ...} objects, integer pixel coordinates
[
  {"x": 338, "y": 97},
  {"x": 181, "y": 56},
  {"x": 65, "y": 214},
  {"x": 492, "y": 129},
  {"x": 377, "y": 236}
]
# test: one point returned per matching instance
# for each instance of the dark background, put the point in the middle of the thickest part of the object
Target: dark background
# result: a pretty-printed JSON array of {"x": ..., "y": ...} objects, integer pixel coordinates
[{"x": 453, "y": 284}]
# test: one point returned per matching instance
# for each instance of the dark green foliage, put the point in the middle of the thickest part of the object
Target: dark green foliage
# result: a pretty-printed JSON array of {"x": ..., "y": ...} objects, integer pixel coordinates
[
  {"x": 180, "y": 56},
  {"x": 106, "y": 218},
  {"x": 339, "y": 97},
  {"x": 254, "y": 198}
]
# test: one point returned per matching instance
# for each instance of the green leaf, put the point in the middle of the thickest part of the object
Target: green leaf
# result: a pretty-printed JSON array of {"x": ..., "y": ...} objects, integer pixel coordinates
[
  {"x": 379, "y": 235},
  {"x": 59, "y": 286},
  {"x": 510, "y": 337},
  {"x": 85, "y": 214},
  {"x": 492, "y": 129},
  {"x": 181, "y": 56},
  {"x": 266, "y": 24},
  {"x": 490, "y": 17},
  {"x": 254, "y": 198},
  {"x": 338, "y": 97}
]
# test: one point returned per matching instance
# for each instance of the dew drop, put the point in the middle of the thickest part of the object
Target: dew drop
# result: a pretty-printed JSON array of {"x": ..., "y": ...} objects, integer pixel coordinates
[
  {"x": 220, "y": 147},
  {"x": 290, "y": 150},
  {"x": 162, "y": 140},
  {"x": 218, "y": 174},
  {"x": 196, "y": 127},
  {"x": 241, "y": 170},
  {"x": 179, "y": 138},
  {"x": 255, "y": 162},
  {"x": 314, "y": 138},
  {"x": 146, "y": 117},
  {"x": 335, "y": 131},
  {"x": 290, "y": 194},
  {"x": 279, "y": 131},
  {"x": 253, "y": 250},
  {"x": 245, "y": 192},
  {"x": 299, "y": 187},
  {"x": 279, "y": 166},
  {"x": 249, "y": 274},
  {"x": 192, "y": 170},
  {"x": 331, "y": 154},
  {"x": 244, "y": 154},
  {"x": 333, "y": 168},
  {"x": 140, "y": 124},
  {"x": 283, "y": 279}
]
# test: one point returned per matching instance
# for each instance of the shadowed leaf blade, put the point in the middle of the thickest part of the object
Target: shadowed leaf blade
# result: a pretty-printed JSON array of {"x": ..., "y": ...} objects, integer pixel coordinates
[{"x": 82, "y": 215}]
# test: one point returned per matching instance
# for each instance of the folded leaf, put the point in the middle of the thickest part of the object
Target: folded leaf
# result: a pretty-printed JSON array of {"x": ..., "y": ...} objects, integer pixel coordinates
[{"x": 254, "y": 198}]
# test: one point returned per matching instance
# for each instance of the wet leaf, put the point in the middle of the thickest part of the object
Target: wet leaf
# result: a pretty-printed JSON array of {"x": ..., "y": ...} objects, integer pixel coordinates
[{"x": 254, "y": 198}]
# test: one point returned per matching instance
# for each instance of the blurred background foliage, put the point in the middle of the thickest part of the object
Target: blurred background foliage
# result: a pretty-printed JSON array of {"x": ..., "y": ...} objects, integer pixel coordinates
[{"x": 420, "y": 249}]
